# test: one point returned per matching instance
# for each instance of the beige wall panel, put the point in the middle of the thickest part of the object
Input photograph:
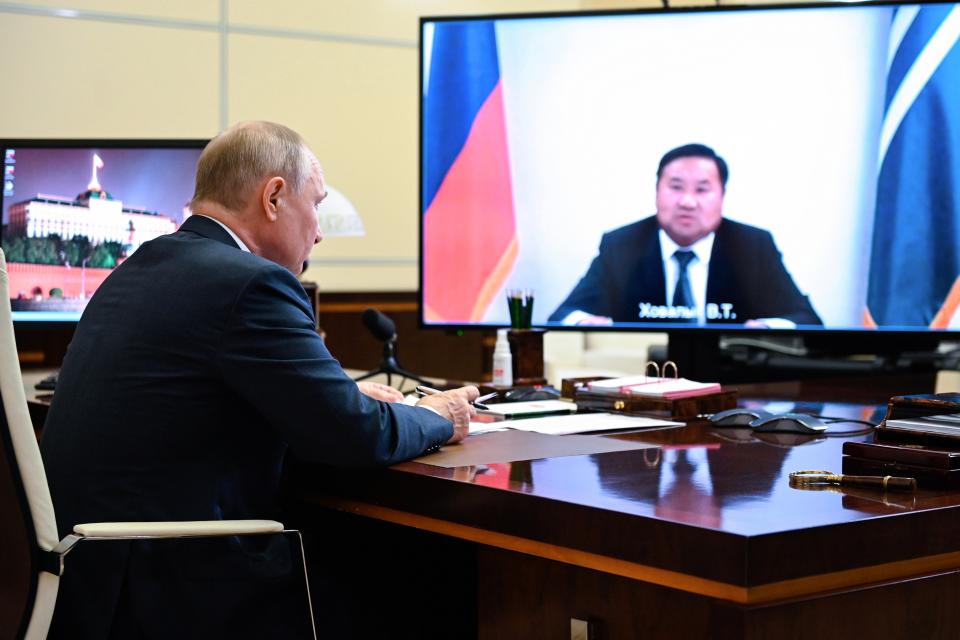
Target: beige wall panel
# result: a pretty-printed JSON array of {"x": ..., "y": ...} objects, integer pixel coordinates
[
  {"x": 357, "y": 107},
  {"x": 204, "y": 10},
  {"x": 392, "y": 19},
  {"x": 86, "y": 79},
  {"x": 333, "y": 276}
]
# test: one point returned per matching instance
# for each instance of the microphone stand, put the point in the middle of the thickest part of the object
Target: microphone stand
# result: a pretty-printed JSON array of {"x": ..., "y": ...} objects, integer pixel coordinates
[{"x": 390, "y": 367}]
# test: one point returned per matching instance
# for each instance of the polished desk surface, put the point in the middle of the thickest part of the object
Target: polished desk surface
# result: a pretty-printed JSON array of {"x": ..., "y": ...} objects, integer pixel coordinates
[{"x": 710, "y": 511}]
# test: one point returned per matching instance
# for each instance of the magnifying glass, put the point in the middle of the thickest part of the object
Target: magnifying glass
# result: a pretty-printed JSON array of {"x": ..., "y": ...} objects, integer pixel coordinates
[{"x": 813, "y": 478}]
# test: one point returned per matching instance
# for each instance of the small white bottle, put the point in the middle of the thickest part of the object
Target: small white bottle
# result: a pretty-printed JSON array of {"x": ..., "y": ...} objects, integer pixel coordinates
[{"x": 502, "y": 361}]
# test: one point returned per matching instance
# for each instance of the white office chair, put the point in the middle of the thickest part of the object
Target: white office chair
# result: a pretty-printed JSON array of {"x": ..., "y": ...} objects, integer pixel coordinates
[{"x": 26, "y": 468}]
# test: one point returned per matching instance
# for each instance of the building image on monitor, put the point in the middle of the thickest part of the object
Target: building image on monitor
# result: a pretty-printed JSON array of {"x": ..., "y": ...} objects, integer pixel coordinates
[{"x": 59, "y": 248}]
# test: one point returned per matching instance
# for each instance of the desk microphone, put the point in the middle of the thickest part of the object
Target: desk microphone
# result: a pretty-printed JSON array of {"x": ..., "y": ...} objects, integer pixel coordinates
[
  {"x": 384, "y": 329},
  {"x": 381, "y": 326}
]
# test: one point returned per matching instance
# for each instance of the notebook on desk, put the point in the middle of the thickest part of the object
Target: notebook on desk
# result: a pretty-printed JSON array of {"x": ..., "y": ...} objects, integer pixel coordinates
[
  {"x": 531, "y": 409},
  {"x": 651, "y": 387}
]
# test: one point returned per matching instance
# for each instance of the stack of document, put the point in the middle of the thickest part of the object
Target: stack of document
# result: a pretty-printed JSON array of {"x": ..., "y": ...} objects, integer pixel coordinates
[{"x": 669, "y": 388}]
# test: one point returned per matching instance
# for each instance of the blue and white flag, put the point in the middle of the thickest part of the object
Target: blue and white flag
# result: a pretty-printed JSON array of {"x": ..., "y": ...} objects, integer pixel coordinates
[{"x": 915, "y": 260}]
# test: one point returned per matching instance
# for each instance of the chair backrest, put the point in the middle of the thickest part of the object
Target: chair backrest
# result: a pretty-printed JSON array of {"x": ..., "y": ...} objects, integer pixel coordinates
[{"x": 25, "y": 479}]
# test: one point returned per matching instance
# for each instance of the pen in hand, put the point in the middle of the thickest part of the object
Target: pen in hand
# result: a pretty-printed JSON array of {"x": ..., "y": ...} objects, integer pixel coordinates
[{"x": 478, "y": 403}]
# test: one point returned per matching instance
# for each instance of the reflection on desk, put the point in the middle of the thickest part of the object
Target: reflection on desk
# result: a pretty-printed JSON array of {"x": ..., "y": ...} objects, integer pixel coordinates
[{"x": 706, "y": 529}]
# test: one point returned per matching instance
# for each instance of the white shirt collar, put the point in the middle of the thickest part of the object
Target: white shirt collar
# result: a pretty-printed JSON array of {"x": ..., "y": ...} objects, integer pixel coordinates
[{"x": 235, "y": 237}]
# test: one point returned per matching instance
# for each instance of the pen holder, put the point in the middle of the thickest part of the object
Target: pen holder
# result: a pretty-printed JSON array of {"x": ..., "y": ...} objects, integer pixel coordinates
[{"x": 526, "y": 346}]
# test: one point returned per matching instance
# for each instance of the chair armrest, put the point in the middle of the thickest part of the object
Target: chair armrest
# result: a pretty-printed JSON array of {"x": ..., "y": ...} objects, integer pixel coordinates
[{"x": 176, "y": 529}]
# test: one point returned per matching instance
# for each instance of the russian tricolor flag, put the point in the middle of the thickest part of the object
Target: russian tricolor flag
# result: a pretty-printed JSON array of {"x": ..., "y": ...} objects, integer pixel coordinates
[{"x": 467, "y": 191}]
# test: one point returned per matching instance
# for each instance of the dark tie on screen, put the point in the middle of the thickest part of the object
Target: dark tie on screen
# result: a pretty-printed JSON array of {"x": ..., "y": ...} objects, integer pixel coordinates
[{"x": 682, "y": 295}]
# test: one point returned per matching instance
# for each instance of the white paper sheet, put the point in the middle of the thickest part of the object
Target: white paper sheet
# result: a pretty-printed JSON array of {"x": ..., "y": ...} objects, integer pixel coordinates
[{"x": 585, "y": 423}]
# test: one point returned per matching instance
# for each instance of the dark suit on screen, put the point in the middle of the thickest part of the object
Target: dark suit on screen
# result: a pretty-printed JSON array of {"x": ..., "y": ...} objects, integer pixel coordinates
[
  {"x": 745, "y": 270},
  {"x": 192, "y": 370}
]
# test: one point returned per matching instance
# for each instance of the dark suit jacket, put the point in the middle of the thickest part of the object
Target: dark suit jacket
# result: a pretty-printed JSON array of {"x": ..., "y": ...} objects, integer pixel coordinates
[
  {"x": 745, "y": 270},
  {"x": 193, "y": 368}
]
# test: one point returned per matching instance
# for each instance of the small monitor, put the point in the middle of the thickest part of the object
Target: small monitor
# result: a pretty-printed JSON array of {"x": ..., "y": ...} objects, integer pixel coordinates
[{"x": 73, "y": 210}]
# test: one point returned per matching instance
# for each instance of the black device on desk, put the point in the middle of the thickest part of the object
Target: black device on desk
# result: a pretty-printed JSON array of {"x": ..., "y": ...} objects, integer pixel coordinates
[
  {"x": 789, "y": 423},
  {"x": 766, "y": 422},
  {"x": 531, "y": 394},
  {"x": 738, "y": 417},
  {"x": 48, "y": 383}
]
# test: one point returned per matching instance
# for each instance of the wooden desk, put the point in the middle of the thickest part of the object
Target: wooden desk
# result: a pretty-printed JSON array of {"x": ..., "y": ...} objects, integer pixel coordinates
[{"x": 706, "y": 539}]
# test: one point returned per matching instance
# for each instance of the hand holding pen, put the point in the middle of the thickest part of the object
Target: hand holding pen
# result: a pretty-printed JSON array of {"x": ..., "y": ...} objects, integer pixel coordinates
[
  {"x": 454, "y": 405},
  {"x": 423, "y": 391}
]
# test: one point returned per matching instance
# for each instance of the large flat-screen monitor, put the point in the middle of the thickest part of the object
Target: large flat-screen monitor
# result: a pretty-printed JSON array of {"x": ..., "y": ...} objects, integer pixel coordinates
[
  {"x": 75, "y": 209},
  {"x": 836, "y": 207}
]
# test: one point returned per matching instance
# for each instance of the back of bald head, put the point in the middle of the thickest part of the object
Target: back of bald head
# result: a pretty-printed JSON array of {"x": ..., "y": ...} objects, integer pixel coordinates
[{"x": 233, "y": 164}]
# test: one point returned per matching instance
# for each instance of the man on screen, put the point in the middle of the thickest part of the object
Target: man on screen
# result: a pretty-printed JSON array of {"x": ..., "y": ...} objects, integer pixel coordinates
[{"x": 687, "y": 263}]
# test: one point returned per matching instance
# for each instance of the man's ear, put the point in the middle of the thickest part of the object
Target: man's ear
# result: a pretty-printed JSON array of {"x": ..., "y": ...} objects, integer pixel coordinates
[{"x": 270, "y": 196}]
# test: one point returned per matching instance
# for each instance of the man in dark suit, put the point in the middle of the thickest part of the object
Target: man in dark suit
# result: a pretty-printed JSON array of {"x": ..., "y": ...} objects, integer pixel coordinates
[
  {"x": 687, "y": 263},
  {"x": 195, "y": 366}
]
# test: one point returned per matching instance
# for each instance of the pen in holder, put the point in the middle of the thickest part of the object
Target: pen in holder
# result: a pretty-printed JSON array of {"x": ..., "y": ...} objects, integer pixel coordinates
[{"x": 520, "y": 303}]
